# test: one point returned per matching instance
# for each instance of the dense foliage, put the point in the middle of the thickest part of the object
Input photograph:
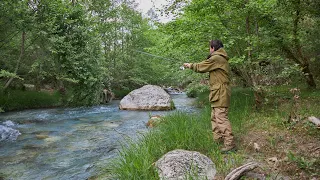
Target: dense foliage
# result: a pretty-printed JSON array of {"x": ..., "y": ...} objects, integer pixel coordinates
[
  {"x": 75, "y": 47},
  {"x": 269, "y": 42},
  {"x": 79, "y": 47}
]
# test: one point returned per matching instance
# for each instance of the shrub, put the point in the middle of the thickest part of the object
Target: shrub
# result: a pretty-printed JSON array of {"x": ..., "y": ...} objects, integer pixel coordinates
[{"x": 18, "y": 100}]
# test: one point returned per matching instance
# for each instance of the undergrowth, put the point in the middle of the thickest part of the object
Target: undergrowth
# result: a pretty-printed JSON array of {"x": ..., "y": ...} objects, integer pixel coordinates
[{"x": 19, "y": 100}]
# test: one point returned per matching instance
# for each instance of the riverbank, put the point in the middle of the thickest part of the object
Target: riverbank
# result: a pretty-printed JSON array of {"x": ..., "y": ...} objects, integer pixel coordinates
[
  {"x": 15, "y": 100},
  {"x": 287, "y": 149}
]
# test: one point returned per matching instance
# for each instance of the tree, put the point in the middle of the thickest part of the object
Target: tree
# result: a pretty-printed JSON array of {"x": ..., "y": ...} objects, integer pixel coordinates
[
  {"x": 252, "y": 31},
  {"x": 296, "y": 22},
  {"x": 15, "y": 20}
]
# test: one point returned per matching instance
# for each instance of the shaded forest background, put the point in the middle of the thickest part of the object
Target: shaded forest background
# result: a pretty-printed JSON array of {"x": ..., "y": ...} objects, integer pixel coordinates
[{"x": 76, "y": 48}]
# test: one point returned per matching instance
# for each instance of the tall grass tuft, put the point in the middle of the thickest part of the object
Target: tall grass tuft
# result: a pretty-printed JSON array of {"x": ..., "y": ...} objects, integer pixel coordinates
[
  {"x": 179, "y": 131},
  {"x": 242, "y": 104}
]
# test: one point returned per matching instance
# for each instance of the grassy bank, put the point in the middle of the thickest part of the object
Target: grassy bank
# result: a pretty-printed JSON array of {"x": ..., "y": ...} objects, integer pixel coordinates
[
  {"x": 180, "y": 131},
  {"x": 19, "y": 100},
  {"x": 294, "y": 145}
]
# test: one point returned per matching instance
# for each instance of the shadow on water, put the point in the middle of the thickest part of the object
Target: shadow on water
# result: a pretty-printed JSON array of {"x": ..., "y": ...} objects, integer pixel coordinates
[{"x": 69, "y": 143}]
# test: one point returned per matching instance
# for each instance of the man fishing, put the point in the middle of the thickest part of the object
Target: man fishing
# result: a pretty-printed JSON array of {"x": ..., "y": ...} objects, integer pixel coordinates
[{"x": 220, "y": 92}]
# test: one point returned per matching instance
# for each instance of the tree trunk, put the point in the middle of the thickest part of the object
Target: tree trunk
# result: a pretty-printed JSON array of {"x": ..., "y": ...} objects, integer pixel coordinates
[
  {"x": 303, "y": 61},
  {"x": 23, "y": 37},
  {"x": 248, "y": 33},
  {"x": 309, "y": 77},
  {"x": 115, "y": 44},
  {"x": 258, "y": 91}
]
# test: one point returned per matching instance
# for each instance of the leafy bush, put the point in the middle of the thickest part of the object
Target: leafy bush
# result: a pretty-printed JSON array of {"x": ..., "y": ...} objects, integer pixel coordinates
[{"x": 120, "y": 93}]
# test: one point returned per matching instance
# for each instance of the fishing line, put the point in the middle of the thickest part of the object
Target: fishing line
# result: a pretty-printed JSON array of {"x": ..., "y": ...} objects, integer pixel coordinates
[{"x": 161, "y": 57}]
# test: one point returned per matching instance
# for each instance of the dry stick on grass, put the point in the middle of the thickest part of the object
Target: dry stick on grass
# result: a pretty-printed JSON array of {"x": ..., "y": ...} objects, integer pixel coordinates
[
  {"x": 254, "y": 175},
  {"x": 238, "y": 172}
]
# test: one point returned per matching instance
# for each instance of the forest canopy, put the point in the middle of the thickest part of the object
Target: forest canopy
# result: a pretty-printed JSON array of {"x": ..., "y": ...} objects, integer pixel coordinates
[{"x": 79, "y": 47}]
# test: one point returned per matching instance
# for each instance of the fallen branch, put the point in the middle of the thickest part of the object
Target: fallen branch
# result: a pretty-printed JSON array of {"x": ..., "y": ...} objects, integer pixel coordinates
[
  {"x": 314, "y": 120},
  {"x": 240, "y": 171},
  {"x": 254, "y": 175}
]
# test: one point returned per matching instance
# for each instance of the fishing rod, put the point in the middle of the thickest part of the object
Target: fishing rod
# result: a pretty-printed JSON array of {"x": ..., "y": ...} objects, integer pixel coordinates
[{"x": 161, "y": 57}]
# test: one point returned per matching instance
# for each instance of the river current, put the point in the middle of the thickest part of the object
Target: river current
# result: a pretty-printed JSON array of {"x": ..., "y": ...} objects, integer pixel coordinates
[{"x": 70, "y": 143}]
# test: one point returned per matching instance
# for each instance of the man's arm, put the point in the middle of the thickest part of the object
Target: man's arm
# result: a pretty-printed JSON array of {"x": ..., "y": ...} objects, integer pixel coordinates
[{"x": 202, "y": 67}]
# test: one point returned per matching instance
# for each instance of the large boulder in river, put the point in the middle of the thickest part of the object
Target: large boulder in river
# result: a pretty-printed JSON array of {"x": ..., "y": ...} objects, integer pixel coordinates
[
  {"x": 182, "y": 164},
  {"x": 149, "y": 97}
]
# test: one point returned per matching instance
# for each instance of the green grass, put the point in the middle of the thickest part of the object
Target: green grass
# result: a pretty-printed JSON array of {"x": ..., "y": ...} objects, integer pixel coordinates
[
  {"x": 180, "y": 131},
  {"x": 273, "y": 119},
  {"x": 19, "y": 100},
  {"x": 310, "y": 165},
  {"x": 280, "y": 102}
]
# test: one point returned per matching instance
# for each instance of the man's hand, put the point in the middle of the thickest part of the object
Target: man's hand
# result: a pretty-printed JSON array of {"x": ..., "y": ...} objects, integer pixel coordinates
[{"x": 187, "y": 65}]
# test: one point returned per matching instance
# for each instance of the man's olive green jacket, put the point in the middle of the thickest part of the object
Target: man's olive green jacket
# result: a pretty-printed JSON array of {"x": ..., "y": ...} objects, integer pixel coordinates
[{"x": 218, "y": 67}]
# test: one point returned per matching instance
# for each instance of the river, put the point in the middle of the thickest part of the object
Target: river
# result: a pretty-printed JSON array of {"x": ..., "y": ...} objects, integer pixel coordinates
[{"x": 70, "y": 143}]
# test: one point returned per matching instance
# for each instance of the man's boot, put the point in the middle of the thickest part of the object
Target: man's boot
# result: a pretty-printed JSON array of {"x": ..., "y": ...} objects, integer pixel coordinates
[
  {"x": 218, "y": 140},
  {"x": 228, "y": 149}
]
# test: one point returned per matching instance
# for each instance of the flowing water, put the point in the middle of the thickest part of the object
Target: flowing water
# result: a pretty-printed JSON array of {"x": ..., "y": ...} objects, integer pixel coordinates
[{"x": 69, "y": 143}]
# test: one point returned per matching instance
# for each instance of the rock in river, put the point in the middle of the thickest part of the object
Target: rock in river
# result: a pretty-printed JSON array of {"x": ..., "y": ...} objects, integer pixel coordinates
[{"x": 149, "y": 97}]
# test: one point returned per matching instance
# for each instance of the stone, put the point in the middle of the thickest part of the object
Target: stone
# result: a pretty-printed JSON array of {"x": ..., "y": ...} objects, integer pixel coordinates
[
  {"x": 148, "y": 97},
  {"x": 256, "y": 147},
  {"x": 153, "y": 121},
  {"x": 272, "y": 160},
  {"x": 42, "y": 136},
  {"x": 29, "y": 87},
  {"x": 106, "y": 96},
  {"x": 52, "y": 139},
  {"x": 182, "y": 164}
]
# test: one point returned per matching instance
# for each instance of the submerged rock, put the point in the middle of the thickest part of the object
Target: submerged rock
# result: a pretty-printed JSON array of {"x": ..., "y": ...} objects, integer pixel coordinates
[
  {"x": 182, "y": 164},
  {"x": 42, "y": 136},
  {"x": 149, "y": 97},
  {"x": 109, "y": 124}
]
